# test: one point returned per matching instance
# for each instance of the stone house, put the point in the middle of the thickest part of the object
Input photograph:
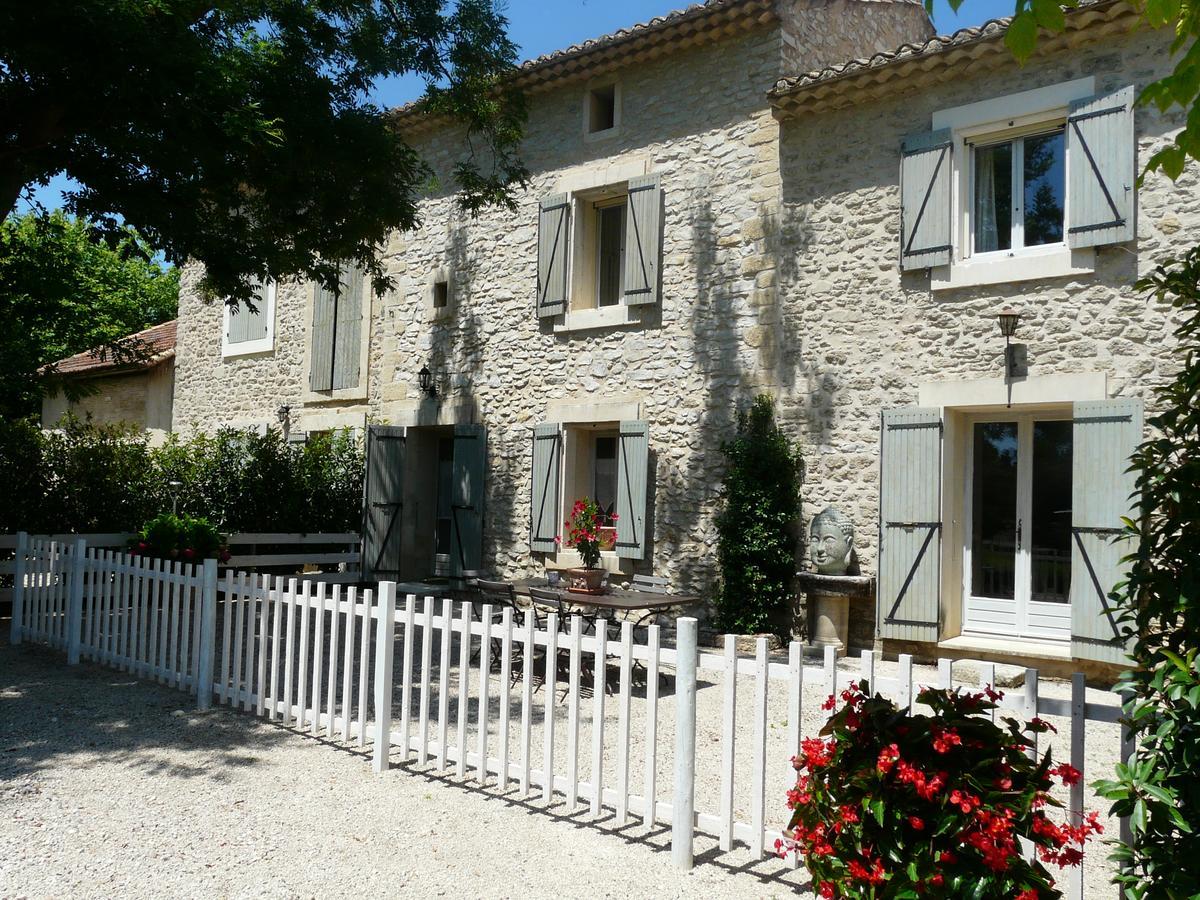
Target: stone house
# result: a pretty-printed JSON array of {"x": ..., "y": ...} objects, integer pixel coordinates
[
  {"x": 955, "y": 185},
  {"x": 648, "y": 225},
  {"x": 670, "y": 260},
  {"x": 135, "y": 389}
]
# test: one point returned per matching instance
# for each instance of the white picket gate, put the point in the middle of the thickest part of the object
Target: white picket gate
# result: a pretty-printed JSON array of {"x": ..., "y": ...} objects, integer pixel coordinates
[{"x": 322, "y": 659}]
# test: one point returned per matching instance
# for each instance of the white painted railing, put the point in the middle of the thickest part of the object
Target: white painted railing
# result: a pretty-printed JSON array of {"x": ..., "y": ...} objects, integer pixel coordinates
[{"x": 323, "y": 659}]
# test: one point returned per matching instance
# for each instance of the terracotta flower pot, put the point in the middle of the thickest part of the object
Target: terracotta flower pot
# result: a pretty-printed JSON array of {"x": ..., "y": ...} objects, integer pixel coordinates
[
  {"x": 608, "y": 538},
  {"x": 585, "y": 581}
]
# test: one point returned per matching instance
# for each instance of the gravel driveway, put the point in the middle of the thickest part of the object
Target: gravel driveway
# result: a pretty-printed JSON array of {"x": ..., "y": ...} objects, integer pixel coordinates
[{"x": 111, "y": 786}]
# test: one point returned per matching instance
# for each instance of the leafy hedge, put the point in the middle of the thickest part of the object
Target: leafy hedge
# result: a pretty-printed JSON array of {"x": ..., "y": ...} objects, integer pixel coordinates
[
  {"x": 1159, "y": 788},
  {"x": 98, "y": 478}
]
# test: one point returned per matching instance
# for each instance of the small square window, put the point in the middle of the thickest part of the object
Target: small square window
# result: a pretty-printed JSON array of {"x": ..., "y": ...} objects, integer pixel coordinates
[
  {"x": 602, "y": 109},
  {"x": 441, "y": 294}
]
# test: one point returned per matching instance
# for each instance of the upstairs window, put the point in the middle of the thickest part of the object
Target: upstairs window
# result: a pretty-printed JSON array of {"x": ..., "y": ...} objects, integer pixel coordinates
[
  {"x": 1019, "y": 192},
  {"x": 338, "y": 332},
  {"x": 1019, "y": 187},
  {"x": 610, "y": 252},
  {"x": 249, "y": 331}
]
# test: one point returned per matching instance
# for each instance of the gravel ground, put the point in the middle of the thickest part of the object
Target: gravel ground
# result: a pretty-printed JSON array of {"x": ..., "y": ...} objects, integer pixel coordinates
[
  {"x": 226, "y": 805},
  {"x": 115, "y": 787}
]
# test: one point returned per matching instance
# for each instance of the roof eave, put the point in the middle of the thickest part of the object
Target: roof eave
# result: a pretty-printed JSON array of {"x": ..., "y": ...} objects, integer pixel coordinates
[
  {"x": 868, "y": 79},
  {"x": 691, "y": 27}
]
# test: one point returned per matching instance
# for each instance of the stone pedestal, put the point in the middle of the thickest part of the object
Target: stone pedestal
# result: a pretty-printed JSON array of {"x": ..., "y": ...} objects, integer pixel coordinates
[{"x": 829, "y": 606}]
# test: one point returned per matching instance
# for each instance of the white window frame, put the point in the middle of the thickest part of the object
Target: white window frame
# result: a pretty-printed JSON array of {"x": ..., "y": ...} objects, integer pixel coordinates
[
  {"x": 598, "y": 206},
  {"x": 1024, "y": 607},
  {"x": 579, "y": 438},
  {"x": 248, "y": 348},
  {"x": 987, "y": 121}
]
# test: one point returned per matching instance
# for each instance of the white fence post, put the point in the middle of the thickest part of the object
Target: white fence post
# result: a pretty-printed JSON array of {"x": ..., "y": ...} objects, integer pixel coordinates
[
  {"x": 75, "y": 601},
  {"x": 385, "y": 646},
  {"x": 208, "y": 635},
  {"x": 683, "y": 805},
  {"x": 18, "y": 601}
]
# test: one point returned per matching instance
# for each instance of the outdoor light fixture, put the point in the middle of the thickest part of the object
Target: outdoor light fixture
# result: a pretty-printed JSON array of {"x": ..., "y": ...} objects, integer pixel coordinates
[
  {"x": 285, "y": 419},
  {"x": 1008, "y": 320},
  {"x": 425, "y": 380}
]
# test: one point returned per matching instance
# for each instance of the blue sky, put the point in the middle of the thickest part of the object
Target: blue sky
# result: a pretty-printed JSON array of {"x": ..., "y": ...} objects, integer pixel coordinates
[{"x": 538, "y": 31}]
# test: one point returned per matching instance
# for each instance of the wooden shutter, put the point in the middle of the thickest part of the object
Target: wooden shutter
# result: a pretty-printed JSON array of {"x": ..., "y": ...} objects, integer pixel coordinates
[
  {"x": 633, "y": 462},
  {"x": 1102, "y": 167},
  {"x": 245, "y": 325},
  {"x": 466, "y": 498},
  {"x": 383, "y": 494},
  {"x": 320, "y": 365},
  {"x": 1104, "y": 436},
  {"x": 643, "y": 240},
  {"x": 553, "y": 222},
  {"x": 910, "y": 517},
  {"x": 925, "y": 198},
  {"x": 347, "y": 330},
  {"x": 545, "y": 509}
]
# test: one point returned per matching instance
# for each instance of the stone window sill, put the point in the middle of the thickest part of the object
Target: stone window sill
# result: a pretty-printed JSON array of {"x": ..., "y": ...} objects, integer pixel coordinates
[
  {"x": 603, "y": 317},
  {"x": 1018, "y": 648},
  {"x": 1019, "y": 265},
  {"x": 355, "y": 393}
]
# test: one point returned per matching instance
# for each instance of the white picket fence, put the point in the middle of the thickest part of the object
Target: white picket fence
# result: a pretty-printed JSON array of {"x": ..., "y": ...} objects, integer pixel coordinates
[{"x": 322, "y": 659}]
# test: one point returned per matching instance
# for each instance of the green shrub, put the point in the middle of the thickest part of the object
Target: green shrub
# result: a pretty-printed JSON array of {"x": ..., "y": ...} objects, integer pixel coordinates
[
  {"x": 756, "y": 528},
  {"x": 1160, "y": 610},
  {"x": 93, "y": 478},
  {"x": 187, "y": 539}
]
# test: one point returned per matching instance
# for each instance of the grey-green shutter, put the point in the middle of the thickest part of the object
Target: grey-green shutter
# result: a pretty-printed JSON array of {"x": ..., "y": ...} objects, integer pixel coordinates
[
  {"x": 633, "y": 463},
  {"x": 245, "y": 325},
  {"x": 544, "y": 506},
  {"x": 553, "y": 234},
  {"x": 1104, "y": 436},
  {"x": 925, "y": 199},
  {"x": 910, "y": 518},
  {"x": 383, "y": 493},
  {"x": 320, "y": 366},
  {"x": 466, "y": 500},
  {"x": 347, "y": 342},
  {"x": 643, "y": 240},
  {"x": 1102, "y": 162}
]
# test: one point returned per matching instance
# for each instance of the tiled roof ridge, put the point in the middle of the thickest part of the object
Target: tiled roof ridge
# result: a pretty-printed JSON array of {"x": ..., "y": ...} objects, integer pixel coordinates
[
  {"x": 989, "y": 30},
  {"x": 158, "y": 341}
]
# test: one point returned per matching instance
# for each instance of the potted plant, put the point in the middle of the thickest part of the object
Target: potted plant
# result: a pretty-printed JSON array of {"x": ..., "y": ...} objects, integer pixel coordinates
[{"x": 583, "y": 533}]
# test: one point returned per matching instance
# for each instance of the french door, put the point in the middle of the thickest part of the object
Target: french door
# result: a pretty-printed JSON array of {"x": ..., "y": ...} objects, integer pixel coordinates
[{"x": 1017, "y": 548}]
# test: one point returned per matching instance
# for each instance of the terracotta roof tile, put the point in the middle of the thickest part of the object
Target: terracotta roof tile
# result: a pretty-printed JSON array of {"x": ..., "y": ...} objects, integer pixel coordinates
[
  {"x": 152, "y": 346},
  {"x": 992, "y": 30}
]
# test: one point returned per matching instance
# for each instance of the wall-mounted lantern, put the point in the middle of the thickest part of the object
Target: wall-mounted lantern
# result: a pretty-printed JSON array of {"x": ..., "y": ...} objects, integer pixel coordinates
[
  {"x": 425, "y": 380},
  {"x": 1008, "y": 320}
]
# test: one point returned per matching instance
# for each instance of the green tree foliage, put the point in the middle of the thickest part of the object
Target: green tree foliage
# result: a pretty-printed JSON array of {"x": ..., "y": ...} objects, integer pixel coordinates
[
  {"x": 1179, "y": 89},
  {"x": 63, "y": 290},
  {"x": 241, "y": 133},
  {"x": 90, "y": 478},
  {"x": 756, "y": 528},
  {"x": 1160, "y": 602}
]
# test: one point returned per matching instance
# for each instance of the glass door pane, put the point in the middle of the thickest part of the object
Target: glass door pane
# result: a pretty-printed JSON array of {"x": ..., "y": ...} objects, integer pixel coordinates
[
  {"x": 994, "y": 510},
  {"x": 1050, "y": 513}
]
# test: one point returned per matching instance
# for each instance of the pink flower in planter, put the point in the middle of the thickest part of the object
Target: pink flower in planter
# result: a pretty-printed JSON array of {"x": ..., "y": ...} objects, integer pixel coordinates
[{"x": 189, "y": 553}]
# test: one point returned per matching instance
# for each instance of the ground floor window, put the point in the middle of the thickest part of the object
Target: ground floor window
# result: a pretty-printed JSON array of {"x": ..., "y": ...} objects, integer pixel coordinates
[
  {"x": 1004, "y": 524},
  {"x": 1017, "y": 553}
]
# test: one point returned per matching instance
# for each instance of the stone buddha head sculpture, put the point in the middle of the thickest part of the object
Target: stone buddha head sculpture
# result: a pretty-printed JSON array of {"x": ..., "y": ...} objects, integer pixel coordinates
[{"x": 831, "y": 542}]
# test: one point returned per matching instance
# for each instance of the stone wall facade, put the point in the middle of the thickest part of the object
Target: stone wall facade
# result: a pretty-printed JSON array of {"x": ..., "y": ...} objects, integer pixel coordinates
[
  {"x": 698, "y": 118},
  {"x": 140, "y": 399},
  {"x": 868, "y": 336}
]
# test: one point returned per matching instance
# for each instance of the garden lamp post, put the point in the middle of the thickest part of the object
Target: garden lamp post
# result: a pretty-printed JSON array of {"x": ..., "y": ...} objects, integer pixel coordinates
[{"x": 174, "y": 486}]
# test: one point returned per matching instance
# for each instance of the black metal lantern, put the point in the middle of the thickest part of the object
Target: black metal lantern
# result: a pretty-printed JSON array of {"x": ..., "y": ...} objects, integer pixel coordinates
[
  {"x": 425, "y": 380},
  {"x": 1009, "y": 319}
]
